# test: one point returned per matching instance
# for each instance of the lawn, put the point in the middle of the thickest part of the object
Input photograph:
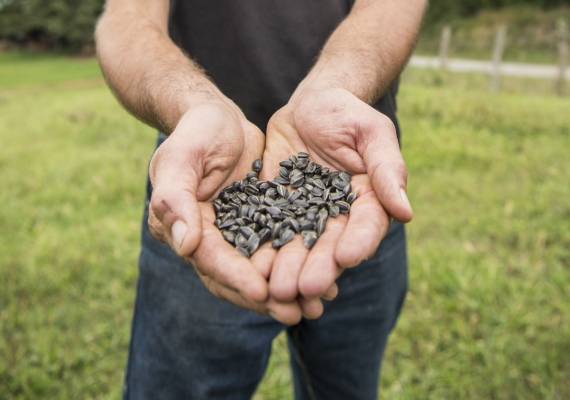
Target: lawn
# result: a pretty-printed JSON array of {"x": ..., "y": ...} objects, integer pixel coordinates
[{"x": 487, "y": 311}]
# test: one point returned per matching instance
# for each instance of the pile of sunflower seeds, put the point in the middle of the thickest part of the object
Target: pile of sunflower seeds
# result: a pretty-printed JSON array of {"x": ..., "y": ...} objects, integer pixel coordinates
[{"x": 251, "y": 212}]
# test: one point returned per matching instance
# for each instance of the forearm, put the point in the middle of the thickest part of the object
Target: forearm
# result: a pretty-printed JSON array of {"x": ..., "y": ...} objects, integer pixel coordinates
[
  {"x": 369, "y": 48},
  {"x": 149, "y": 74}
]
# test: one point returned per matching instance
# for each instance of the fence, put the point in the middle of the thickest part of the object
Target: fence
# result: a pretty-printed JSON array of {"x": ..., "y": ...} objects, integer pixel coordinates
[{"x": 496, "y": 66}]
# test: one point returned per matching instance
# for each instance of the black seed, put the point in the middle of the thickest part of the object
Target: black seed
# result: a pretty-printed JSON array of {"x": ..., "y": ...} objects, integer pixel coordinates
[
  {"x": 243, "y": 251},
  {"x": 276, "y": 230},
  {"x": 302, "y": 163},
  {"x": 311, "y": 168},
  {"x": 300, "y": 211},
  {"x": 323, "y": 213},
  {"x": 246, "y": 231},
  {"x": 317, "y": 192},
  {"x": 274, "y": 211},
  {"x": 326, "y": 193},
  {"x": 280, "y": 180},
  {"x": 336, "y": 196},
  {"x": 251, "y": 174},
  {"x": 269, "y": 201},
  {"x": 311, "y": 215},
  {"x": 306, "y": 225},
  {"x": 303, "y": 190},
  {"x": 272, "y": 192},
  {"x": 308, "y": 187},
  {"x": 237, "y": 185},
  {"x": 240, "y": 240},
  {"x": 286, "y": 164},
  {"x": 309, "y": 239},
  {"x": 243, "y": 210},
  {"x": 250, "y": 190},
  {"x": 321, "y": 225},
  {"x": 334, "y": 211},
  {"x": 227, "y": 223},
  {"x": 270, "y": 223},
  {"x": 264, "y": 235},
  {"x": 243, "y": 196},
  {"x": 345, "y": 176},
  {"x": 350, "y": 198},
  {"x": 217, "y": 207},
  {"x": 252, "y": 210},
  {"x": 282, "y": 190},
  {"x": 316, "y": 201},
  {"x": 347, "y": 189},
  {"x": 272, "y": 184},
  {"x": 286, "y": 236},
  {"x": 229, "y": 236},
  {"x": 297, "y": 182},
  {"x": 257, "y": 165},
  {"x": 240, "y": 222},
  {"x": 325, "y": 171},
  {"x": 253, "y": 200},
  {"x": 247, "y": 220},
  {"x": 294, "y": 196},
  {"x": 264, "y": 186},
  {"x": 343, "y": 206},
  {"x": 301, "y": 203},
  {"x": 320, "y": 184},
  {"x": 253, "y": 243},
  {"x": 293, "y": 159},
  {"x": 281, "y": 204},
  {"x": 334, "y": 175},
  {"x": 302, "y": 154},
  {"x": 276, "y": 243},
  {"x": 287, "y": 213},
  {"x": 284, "y": 173}
]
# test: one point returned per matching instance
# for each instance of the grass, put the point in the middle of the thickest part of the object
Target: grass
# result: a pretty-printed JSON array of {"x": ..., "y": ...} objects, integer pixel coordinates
[
  {"x": 531, "y": 34},
  {"x": 487, "y": 311}
]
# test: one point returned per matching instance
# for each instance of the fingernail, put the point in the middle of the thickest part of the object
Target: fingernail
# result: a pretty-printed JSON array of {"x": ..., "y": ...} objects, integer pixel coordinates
[
  {"x": 274, "y": 317},
  {"x": 405, "y": 197},
  {"x": 178, "y": 231}
]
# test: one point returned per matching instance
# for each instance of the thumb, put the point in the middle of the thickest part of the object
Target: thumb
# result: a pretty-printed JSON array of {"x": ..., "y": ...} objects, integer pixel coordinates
[
  {"x": 175, "y": 215},
  {"x": 385, "y": 166}
]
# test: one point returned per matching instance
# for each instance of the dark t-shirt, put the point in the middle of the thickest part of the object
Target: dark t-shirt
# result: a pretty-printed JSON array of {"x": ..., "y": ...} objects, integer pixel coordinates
[{"x": 257, "y": 51}]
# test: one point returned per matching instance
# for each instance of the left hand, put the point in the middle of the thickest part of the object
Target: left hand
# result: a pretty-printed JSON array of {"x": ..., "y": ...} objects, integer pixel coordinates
[{"x": 342, "y": 132}]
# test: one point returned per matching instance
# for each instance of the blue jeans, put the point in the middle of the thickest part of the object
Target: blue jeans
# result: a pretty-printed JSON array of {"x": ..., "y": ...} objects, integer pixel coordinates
[{"x": 187, "y": 344}]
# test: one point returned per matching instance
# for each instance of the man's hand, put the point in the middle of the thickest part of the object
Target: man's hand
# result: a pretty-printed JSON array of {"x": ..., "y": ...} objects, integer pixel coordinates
[
  {"x": 340, "y": 131},
  {"x": 212, "y": 146}
]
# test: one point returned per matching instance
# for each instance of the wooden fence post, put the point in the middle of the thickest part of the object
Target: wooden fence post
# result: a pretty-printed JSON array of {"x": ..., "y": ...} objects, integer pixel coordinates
[
  {"x": 562, "y": 55},
  {"x": 444, "y": 45},
  {"x": 497, "y": 57}
]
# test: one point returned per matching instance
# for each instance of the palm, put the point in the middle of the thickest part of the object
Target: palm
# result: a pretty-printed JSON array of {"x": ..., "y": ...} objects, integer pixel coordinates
[{"x": 323, "y": 127}]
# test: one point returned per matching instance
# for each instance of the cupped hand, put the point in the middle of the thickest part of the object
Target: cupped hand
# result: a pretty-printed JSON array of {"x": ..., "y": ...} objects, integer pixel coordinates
[
  {"x": 339, "y": 131},
  {"x": 212, "y": 146}
]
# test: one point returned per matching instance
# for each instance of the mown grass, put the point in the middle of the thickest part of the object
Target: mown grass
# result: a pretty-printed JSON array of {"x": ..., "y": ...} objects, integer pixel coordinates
[{"x": 487, "y": 311}]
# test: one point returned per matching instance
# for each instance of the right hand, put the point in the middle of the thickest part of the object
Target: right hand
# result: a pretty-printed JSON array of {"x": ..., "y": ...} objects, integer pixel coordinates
[{"x": 212, "y": 146}]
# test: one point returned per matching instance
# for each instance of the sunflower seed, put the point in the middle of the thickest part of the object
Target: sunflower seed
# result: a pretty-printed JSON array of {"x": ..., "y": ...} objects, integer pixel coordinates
[
  {"x": 257, "y": 165},
  {"x": 242, "y": 251},
  {"x": 286, "y": 164},
  {"x": 309, "y": 239}
]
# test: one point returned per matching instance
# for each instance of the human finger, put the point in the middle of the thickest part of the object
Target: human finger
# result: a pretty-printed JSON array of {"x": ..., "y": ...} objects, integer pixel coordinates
[
  {"x": 216, "y": 258},
  {"x": 377, "y": 142},
  {"x": 174, "y": 214},
  {"x": 367, "y": 225},
  {"x": 320, "y": 269},
  {"x": 283, "y": 281}
]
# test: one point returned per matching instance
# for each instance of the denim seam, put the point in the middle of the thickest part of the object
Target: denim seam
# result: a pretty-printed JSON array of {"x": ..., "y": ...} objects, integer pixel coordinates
[{"x": 304, "y": 369}]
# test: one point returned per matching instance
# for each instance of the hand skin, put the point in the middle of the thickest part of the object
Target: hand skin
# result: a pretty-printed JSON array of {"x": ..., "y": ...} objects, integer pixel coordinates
[
  {"x": 205, "y": 151},
  {"x": 328, "y": 116}
]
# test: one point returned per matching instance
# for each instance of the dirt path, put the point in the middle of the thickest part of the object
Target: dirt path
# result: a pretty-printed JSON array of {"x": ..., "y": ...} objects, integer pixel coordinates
[{"x": 506, "y": 68}]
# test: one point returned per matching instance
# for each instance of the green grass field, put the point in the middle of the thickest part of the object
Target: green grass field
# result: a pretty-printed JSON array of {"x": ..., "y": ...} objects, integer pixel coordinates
[{"x": 487, "y": 314}]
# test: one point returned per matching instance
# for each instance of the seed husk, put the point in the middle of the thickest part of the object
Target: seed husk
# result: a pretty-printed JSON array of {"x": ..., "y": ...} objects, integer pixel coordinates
[
  {"x": 309, "y": 238},
  {"x": 257, "y": 165},
  {"x": 243, "y": 251},
  {"x": 229, "y": 236},
  {"x": 350, "y": 198},
  {"x": 286, "y": 236},
  {"x": 246, "y": 231},
  {"x": 253, "y": 243},
  {"x": 286, "y": 164},
  {"x": 302, "y": 154}
]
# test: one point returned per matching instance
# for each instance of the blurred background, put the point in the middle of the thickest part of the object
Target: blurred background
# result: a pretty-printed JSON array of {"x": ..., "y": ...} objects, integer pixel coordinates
[{"x": 488, "y": 310}]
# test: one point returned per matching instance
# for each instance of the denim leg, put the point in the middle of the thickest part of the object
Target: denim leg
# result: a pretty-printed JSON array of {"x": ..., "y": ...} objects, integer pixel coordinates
[
  {"x": 186, "y": 343},
  {"x": 338, "y": 356}
]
